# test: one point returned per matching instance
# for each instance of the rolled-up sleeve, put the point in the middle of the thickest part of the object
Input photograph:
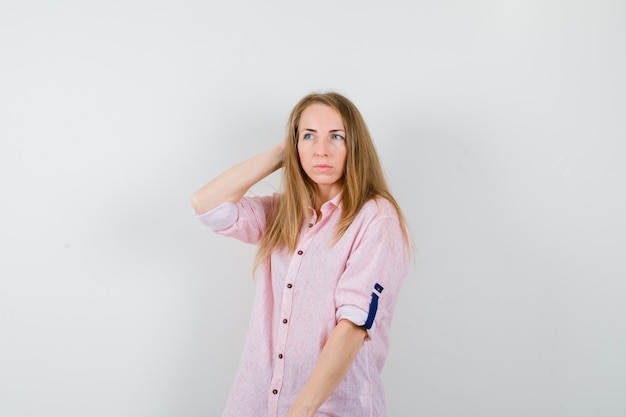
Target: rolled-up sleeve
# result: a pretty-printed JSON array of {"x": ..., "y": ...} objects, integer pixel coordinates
[
  {"x": 368, "y": 288},
  {"x": 245, "y": 219},
  {"x": 221, "y": 217}
]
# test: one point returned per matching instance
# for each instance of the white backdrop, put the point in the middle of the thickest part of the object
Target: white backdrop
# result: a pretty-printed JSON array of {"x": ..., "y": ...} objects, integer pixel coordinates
[{"x": 502, "y": 128}]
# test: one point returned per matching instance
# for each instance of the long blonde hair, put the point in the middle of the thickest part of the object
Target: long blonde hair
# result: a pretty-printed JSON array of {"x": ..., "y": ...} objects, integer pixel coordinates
[{"x": 363, "y": 179}]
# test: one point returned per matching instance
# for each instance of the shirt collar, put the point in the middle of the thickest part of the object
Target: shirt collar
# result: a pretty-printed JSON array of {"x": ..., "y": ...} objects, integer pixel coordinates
[
  {"x": 335, "y": 201},
  {"x": 329, "y": 206}
]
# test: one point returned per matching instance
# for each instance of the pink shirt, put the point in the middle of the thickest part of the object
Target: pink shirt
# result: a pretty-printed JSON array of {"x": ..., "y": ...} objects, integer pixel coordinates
[{"x": 301, "y": 296}]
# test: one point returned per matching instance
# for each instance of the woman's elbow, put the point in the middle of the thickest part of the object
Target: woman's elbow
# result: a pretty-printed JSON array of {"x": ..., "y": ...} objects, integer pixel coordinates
[{"x": 199, "y": 203}]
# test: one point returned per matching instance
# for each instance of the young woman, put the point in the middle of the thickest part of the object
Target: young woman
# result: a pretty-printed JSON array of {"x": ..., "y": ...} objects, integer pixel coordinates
[{"x": 333, "y": 250}]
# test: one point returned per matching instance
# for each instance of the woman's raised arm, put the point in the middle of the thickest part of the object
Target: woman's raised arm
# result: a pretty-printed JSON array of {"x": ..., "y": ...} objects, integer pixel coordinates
[{"x": 232, "y": 184}]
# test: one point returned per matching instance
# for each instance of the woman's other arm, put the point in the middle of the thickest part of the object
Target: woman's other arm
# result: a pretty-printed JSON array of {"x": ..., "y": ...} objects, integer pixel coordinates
[
  {"x": 232, "y": 184},
  {"x": 336, "y": 358}
]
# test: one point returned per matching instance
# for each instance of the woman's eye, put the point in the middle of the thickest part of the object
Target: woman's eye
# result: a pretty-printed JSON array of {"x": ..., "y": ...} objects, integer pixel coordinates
[
  {"x": 338, "y": 137},
  {"x": 307, "y": 136}
]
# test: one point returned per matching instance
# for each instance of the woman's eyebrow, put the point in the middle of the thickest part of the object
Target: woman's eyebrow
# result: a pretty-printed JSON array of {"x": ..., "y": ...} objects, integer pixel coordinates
[{"x": 315, "y": 131}]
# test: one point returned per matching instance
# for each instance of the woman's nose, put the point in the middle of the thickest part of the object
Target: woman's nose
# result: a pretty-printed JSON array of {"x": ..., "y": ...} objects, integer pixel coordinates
[{"x": 321, "y": 148}]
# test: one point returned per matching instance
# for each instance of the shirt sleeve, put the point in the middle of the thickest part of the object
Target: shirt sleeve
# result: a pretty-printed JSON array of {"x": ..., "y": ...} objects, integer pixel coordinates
[
  {"x": 245, "y": 219},
  {"x": 368, "y": 288},
  {"x": 220, "y": 217}
]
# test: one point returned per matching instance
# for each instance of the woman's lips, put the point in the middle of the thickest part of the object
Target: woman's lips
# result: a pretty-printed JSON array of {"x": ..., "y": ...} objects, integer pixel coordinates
[{"x": 322, "y": 167}]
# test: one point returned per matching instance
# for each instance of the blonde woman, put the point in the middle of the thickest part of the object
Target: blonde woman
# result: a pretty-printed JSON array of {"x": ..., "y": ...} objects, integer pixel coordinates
[{"x": 333, "y": 250}]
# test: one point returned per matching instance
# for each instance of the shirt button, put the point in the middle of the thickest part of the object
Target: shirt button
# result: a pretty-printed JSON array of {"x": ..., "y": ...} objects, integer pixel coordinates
[
  {"x": 289, "y": 285},
  {"x": 285, "y": 321},
  {"x": 300, "y": 252},
  {"x": 280, "y": 356},
  {"x": 275, "y": 392}
]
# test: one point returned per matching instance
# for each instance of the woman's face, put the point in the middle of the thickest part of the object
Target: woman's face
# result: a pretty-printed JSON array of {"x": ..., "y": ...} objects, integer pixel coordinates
[{"x": 322, "y": 149}]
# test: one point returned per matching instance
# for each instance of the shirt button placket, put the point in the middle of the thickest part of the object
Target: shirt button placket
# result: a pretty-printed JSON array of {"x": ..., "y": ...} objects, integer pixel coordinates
[{"x": 283, "y": 331}]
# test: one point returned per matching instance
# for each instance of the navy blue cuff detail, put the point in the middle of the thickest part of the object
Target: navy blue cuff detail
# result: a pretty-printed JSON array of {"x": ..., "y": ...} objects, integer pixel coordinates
[{"x": 372, "y": 313}]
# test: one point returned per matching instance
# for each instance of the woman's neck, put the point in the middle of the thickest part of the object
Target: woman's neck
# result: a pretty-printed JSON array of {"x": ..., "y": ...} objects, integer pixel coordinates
[{"x": 325, "y": 194}]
